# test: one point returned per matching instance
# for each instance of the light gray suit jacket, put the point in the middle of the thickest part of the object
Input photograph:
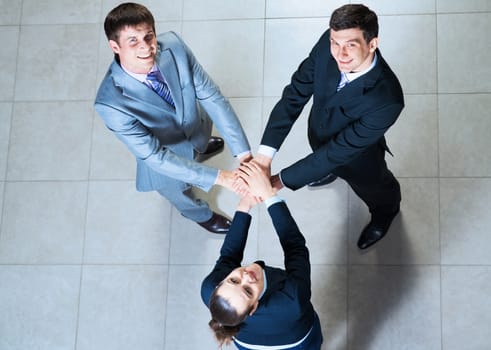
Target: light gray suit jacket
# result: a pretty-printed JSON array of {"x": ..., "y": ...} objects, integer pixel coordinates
[{"x": 161, "y": 138}]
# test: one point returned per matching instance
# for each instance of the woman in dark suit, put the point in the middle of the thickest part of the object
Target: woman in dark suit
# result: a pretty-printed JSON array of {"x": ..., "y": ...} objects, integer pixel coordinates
[{"x": 257, "y": 306}]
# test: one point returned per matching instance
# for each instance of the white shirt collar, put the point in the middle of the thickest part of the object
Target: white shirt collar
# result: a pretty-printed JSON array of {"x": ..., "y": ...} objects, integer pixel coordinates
[
  {"x": 355, "y": 75},
  {"x": 139, "y": 76}
]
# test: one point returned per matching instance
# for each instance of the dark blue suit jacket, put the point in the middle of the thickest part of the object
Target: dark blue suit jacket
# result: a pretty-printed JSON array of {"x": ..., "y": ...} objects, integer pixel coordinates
[
  {"x": 341, "y": 124},
  {"x": 285, "y": 313}
]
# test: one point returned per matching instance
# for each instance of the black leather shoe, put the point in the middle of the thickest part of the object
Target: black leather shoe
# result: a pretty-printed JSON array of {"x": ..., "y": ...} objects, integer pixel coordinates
[
  {"x": 217, "y": 224},
  {"x": 215, "y": 146},
  {"x": 326, "y": 180},
  {"x": 375, "y": 231}
]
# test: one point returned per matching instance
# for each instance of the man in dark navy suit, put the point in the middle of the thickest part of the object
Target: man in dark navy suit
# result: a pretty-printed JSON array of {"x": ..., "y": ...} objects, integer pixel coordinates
[{"x": 356, "y": 99}]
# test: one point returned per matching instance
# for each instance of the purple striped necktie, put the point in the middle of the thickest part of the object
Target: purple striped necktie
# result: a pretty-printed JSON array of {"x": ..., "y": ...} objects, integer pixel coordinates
[{"x": 159, "y": 86}]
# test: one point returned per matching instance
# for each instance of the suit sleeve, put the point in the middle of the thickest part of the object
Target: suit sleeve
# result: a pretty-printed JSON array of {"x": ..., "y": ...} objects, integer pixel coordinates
[
  {"x": 217, "y": 107},
  {"x": 344, "y": 147},
  {"x": 231, "y": 254},
  {"x": 294, "y": 98},
  {"x": 144, "y": 145},
  {"x": 297, "y": 261}
]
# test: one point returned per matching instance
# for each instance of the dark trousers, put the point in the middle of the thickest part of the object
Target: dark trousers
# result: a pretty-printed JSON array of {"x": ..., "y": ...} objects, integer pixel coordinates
[{"x": 372, "y": 181}]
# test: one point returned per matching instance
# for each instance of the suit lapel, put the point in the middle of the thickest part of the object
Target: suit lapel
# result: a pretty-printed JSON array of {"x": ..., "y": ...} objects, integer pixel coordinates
[
  {"x": 135, "y": 89},
  {"x": 168, "y": 67},
  {"x": 355, "y": 88}
]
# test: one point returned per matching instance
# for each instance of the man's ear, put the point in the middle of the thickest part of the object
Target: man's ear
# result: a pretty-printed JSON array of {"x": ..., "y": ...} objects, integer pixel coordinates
[
  {"x": 372, "y": 46},
  {"x": 114, "y": 46}
]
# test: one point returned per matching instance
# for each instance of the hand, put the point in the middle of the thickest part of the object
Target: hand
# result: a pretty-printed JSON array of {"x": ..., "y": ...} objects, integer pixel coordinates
[
  {"x": 276, "y": 182},
  {"x": 264, "y": 162},
  {"x": 258, "y": 181},
  {"x": 247, "y": 202},
  {"x": 226, "y": 179},
  {"x": 246, "y": 158}
]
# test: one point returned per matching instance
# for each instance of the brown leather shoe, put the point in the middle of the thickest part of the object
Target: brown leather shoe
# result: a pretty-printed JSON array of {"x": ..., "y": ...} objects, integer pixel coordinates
[
  {"x": 217, "y": 224},
  {"x": 215, "y": 146}
]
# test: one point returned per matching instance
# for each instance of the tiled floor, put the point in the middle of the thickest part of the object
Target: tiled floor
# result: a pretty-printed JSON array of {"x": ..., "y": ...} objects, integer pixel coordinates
[{"x": 87, "y": 263}]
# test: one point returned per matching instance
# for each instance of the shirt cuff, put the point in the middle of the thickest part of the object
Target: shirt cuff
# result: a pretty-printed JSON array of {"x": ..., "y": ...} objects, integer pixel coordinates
[
  {"x": 267, "y": 151},
  {"x": 243, "y": 154},
  {"x": 272, "y": 200}
]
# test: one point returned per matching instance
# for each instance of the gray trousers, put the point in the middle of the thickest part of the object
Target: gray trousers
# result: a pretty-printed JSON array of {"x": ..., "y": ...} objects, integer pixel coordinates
[{"x": 181, "y": 196}]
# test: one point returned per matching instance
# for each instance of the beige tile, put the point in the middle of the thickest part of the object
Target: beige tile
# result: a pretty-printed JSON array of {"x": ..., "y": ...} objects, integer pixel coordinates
[
  {"x": 413, "y": 237},
  {"x": 125, "y": 226},
  {"x": 464, "y": 125},
  {"x": 48, "y": 79},
  {"x": 39, "y": 307},
  {"x": 223, "y": 9},
  {"x": 444, "y": 6},
  {"x": 162, "y": 10},
  {"x": 394, "y": 307},
  {"x": 287, "y": 43},
  {"x": 415, "y": 68},
  {"x": 60, "y": 12},
  {"x": 192, "y": 244},
  {"x": 5, "y": 121},
  {"x": 465, "y": 221},
  {"x": 187, "y": 316},
  {"x": 329, "y": 297},
  {"x": 43, "y": 223},
  {"x": 461, "y": 68},
  {"x": 11, "y": 12},
  {"x": 122, "y": 307},
  {"x": 9, "y": 35},
  {"x": 413, "y": 139},
  {"x": 466, "y": 308},
  {"x": 238, "y": 71},
  {"x": 110, "y": 158},
  {"x": 388, "y": 7},
  {"x": 321, "y": 216},
  {"x": 308, "y": 8},
  {"x": 50, "y": 141}
]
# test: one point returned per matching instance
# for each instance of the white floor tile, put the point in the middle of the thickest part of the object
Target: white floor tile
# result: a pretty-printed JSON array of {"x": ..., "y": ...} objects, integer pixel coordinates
[
  {"x": 444, "y": 6},
  {"x": 223, "y": 9},
  {"x": 50, "y": 141},
  {"x": 466, "y": 307},
  {"x": 162, "y": 10},
  {"x": 9, "y": 36},
  {"x": 465, "y": 126},
  {"x": 287, "y": 43},
  {"x": 39, "y": 307},
  {"x": 413, "y": 139},
  {"x": 110, "y": 158},
  {"x": 60, "y": 12},
  {"x": 416, "y": 68},
  {"x": 122, "y": 307},
  {"x": 460, "y": 67},
  {"x": 43, "y": 223},
  {"x": 388, "y": 7},
  {"x": 5, "y": 121},
  {"x": 465, "y": 221},
  {"x": 11, "y": 12},
  {"x": 413, "y": 237},
  {"x": 392, "y": 307},
  {"x": 307, "y": 8},
  {"x": 125, "y": 226},
  {"x": 49, "y": 79},
  {"x": 238, "y": 72}
]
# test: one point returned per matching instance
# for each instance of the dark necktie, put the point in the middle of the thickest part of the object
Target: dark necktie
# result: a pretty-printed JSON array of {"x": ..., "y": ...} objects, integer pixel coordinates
[
  {"x": 343, "y": 81},
  {"x": 159, "y": 86}
]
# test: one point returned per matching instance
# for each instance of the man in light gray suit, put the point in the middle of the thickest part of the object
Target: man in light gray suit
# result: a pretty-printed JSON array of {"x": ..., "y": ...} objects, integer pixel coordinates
[{"x": 158, "y": 100}]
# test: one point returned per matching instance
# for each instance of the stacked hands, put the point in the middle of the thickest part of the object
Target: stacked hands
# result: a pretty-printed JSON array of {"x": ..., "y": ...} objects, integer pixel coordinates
[{"x": 252, "y": 181}]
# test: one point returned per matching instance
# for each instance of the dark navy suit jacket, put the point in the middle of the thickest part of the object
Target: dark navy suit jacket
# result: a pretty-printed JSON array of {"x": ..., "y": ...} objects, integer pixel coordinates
[
  {"x": 285, "y": 313},
  {"x": 341, "y": 124}
]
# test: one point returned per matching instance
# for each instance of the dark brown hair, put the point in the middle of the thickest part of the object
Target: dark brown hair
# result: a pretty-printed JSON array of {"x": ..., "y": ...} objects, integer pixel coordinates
[
  {"x": 225, "y": 321},
  {"x": 127, "y": 14},
  {"x": 355, "y": 16}
]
